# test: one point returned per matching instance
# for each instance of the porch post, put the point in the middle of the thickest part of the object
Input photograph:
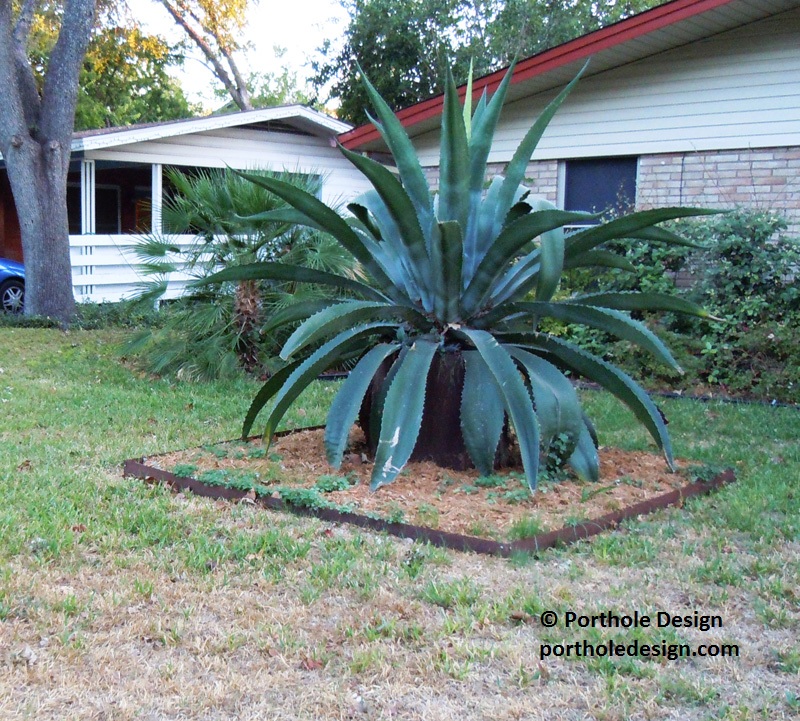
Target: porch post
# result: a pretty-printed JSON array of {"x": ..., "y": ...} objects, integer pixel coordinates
[
  {"x": 87, "y": 197},
  {"x": 156, "y": 198}
]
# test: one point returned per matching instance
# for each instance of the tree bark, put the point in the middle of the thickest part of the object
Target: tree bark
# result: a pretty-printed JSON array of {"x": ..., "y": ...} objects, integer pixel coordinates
[
  {"x": 38, "y": 178},
  {"x": 440, "y": 439},
  {"x": 35, "y": 140}
]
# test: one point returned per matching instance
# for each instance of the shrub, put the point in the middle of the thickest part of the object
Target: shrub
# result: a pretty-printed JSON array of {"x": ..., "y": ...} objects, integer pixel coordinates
[
  {"x": 218, "y": 331},
  {"x": 745, "y": 273}
]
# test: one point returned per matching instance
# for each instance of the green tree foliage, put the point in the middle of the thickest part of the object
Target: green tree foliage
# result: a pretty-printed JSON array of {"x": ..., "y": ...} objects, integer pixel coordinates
[
  {"x": 406, "y": 47},
  {"x": 124, "y": 78},
  {"x": 525, "y": 27},
  {"x": 215, "y": 27},
  {"x": 271, "y": 89}
]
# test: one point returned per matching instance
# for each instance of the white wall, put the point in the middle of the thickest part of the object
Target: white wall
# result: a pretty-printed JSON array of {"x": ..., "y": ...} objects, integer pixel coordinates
[
  {"x": 739, "y": 89},
  {"x": 104, "y": 268},
  {"x": 244, "y": 148}
]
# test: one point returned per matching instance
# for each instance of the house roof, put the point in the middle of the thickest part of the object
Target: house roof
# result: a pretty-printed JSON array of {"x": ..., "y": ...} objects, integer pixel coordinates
[
  {"x": 284, "y": 118},
  {"x": 665, "y": 27}
]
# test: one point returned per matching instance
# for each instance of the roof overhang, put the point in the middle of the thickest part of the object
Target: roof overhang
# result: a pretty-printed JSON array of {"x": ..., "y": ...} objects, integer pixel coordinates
[
  {"x": 666, "y": 27},
  {"x": 305, "y": 120}
]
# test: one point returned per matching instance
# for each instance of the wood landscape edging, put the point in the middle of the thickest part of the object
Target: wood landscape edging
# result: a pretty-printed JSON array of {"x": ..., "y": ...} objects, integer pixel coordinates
[{"x": 138, "y": 468}]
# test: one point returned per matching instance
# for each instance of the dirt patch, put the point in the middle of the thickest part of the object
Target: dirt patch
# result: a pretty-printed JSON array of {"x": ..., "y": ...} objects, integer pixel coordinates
[{"x": 499, "y": 507}]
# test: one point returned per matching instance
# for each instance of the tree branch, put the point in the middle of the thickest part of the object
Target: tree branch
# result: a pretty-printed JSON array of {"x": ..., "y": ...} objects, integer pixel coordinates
[
  {"x": 235, "y": 86},
  {"x": 26, "y": 82},
  {"x": 60, "y": 94}
]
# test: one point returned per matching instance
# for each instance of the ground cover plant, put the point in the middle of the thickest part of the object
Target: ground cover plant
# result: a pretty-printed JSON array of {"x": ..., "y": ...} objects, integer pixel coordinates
[
  {"x": 499, "y": 507},
  {"x": 122, "y": 600},
  {"x": 447, "y": 336}
]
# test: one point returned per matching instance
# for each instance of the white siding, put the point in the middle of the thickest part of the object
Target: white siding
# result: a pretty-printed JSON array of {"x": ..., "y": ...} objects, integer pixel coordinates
[
  {"x": 104, "y": 268},
  {"x": 245, "y": 148},
  {"x": 739, "y": 89}
]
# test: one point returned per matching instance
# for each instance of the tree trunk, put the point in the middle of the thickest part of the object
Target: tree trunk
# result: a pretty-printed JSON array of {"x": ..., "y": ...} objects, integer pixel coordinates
[
  {"x": 246, "y": 311},
  {"x": 38, "y": 177},
  {"x": 440, "y": 438}
]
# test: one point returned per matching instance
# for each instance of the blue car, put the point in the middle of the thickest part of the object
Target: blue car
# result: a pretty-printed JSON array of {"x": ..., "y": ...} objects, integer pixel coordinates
[{"x": 12, "y": 286}]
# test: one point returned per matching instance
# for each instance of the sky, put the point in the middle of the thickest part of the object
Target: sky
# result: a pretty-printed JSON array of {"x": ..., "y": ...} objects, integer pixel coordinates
[{"x": 299, "y": 26}]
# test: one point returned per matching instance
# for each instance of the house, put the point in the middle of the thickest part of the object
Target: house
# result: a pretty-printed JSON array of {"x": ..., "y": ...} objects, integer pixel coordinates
[
  {"x": 694, "y": 102},
  {"x": 116, "y": 182}
]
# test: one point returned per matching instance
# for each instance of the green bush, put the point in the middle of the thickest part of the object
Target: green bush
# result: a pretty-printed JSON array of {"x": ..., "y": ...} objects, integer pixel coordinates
[
  {"x": 744, "y": 273},
  {"x": 220, "y": 331}
]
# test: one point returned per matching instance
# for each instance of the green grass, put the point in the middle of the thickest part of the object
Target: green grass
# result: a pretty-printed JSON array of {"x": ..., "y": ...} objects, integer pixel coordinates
[{"x": 368, "y": 607}]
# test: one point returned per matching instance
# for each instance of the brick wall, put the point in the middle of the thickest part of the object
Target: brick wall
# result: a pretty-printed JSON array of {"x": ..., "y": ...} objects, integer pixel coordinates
[
  {"x": 764, "y": 179},
  {"x": 540, "y": 177},
  {"x": 760, "y": 179}
]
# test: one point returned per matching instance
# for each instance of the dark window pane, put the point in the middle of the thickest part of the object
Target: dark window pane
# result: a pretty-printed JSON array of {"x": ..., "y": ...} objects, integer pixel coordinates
[
  {"x": 106, "y": 210},
  {"x": 600, "y": 184},
  {"x": 74, "y": 209}
]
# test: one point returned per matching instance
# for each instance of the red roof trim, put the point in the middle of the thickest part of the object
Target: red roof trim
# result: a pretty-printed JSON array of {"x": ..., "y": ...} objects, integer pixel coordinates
[{"x": 581, "y": 48}]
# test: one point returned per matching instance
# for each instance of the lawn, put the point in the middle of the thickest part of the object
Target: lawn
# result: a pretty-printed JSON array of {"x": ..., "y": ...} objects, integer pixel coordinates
[{"x": 122, "y": 601}]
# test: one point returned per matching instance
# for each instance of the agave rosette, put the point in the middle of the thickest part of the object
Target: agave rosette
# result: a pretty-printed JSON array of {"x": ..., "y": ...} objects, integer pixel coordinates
[{"x": 465, "y": 268}]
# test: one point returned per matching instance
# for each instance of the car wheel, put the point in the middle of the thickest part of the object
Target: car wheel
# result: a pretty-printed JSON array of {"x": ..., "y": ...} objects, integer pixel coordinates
[{"x": 12, "y": 296}]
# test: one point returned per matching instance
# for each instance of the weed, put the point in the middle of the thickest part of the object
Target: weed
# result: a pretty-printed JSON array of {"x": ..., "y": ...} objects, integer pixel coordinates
[
  {"x": 427, "y": 515},
  {"x": 329, "y": 484},
  {"x": 525, "y": 527},
  {"x": 451, "y": 594}
]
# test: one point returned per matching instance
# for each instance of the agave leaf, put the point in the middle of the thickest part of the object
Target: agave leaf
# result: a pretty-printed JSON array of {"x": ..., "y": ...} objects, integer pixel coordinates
[
  {"x": 668, "y": 237},
  {"x": 633, "y": 300},
  {"x": 286, "y": 216},
  {"x": 267, "y": 391},
  {"x": 447, "y": 306},
  {"x": 551, "y": 256},
  {"x": 482, "y": 412},
  {"x": 379, "y": 398},
  {"x": 505, "y": 247},
  {"x": 324, "y": 218},
  {"x": 296, "y": 311},
  {"x": 600, "y": 259},
  {"x": 516, "y": 398},
  {"x": 518, "y": 280},
  {"x": 626, "y": 227},
  {"x": 605, "y": 319},
  {"x": 410, "y": 233},
  {"x": 556, "y": 402},
  {"x": 347, "y": 314},
  {"x": 344, "y": 409},
  {"x": 362, "y": 214},
  {"x": 390, "y": 251},
  {"x": 309, "y": 368},
  {"x": 468, "y": 103},
  {"x": 402, "y": 413},
  {"x": 296, "y": 273},
  {"x": 584, "y": 459},
  {"x": 612, "y": 379},
  {"x": 454, "y": 159},
  {"x": 515, "y": 170},
  {"x": 405, "y": 157},
  {"x": 484, "y": 123}
]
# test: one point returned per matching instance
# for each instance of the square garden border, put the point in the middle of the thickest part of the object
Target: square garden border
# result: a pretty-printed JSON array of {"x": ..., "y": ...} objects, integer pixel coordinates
[{"x": 138, "y": 468}]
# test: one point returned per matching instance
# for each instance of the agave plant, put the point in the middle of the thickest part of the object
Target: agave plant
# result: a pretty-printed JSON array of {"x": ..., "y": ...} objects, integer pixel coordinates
[{"x": 460, "y": 280}]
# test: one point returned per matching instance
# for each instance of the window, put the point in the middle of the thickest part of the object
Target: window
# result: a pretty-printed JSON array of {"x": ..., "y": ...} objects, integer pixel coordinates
[
  {"x": 600, "y": 185},
  {"x": 106, "y": 209}
]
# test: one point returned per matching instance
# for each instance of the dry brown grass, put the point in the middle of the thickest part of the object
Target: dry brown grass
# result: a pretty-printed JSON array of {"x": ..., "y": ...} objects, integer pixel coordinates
[{"x": 131, "y": 638}]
